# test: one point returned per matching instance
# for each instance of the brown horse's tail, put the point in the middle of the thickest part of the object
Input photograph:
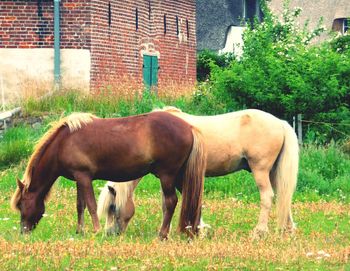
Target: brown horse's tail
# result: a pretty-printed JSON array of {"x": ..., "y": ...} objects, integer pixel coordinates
[
  {"x": 193, "y": 184},
  {"x": 286, "y": 174}
]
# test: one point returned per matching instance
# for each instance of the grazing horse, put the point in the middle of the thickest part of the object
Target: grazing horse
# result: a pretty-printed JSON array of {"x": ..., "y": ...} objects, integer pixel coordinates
[
  {"x": 83, "y": 148},
  {"x": 249, "y": 139}
]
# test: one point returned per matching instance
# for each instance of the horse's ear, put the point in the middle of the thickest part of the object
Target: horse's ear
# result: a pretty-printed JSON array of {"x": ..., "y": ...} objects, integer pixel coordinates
[
  {"x": 20, "y": 185},
  {"x": 112, "y": 190}
]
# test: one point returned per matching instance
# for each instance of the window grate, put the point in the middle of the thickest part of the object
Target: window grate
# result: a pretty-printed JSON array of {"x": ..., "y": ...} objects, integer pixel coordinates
[
  {"x": 164, "y": 21},
  {"x": 109, "y": 14},
  {"x": 149, "y": 9},
  {"x": 177, "y": 25},
  {"x": 40, "y": 8},
  {"x": 137, "y": 19},
  {"x": 187, "y": 29}
]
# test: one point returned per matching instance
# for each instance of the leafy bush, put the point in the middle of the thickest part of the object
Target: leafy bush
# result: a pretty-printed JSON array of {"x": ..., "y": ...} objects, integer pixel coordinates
[{"x": 206, "y": 59}]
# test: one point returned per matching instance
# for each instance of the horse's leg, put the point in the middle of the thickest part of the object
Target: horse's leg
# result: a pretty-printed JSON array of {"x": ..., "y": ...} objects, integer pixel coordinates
[
  {"x": 291, "y": 227},
  {"x": 81, "y": 205},
  {"x": 202, "y": 225},
  {"x": 85, "y": 183},
  {"x": 168, "y": 206},
  {"x": 266, "y": 194}
]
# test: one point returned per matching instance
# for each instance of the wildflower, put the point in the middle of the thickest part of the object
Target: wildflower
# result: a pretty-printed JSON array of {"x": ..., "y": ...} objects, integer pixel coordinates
[{"x": 309, "y": 254}]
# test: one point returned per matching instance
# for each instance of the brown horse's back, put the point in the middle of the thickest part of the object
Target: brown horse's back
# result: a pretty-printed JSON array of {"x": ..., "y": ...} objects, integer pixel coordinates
[{"x": 127, "y": 147}]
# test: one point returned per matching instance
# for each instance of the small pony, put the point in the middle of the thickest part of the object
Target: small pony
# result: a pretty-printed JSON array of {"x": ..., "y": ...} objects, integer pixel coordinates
[
  {"x": 83, "y": 148},
  {"x": 249, "y": 139}
]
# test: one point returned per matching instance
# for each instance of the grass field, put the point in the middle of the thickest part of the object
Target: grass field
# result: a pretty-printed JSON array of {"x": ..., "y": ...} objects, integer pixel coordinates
[
  {"x": 321, "y": 209},
  {"x": 322, "y": 241}
]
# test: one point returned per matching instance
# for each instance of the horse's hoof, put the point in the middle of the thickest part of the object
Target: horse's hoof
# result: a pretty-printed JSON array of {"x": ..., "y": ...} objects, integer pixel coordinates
[
  {"x": 80, "y": 231},
  {"x": 260, "y": 233},
  {"x": 291, "y": 229},
  {"x": 97, "y": 230},
  {"x": 163, "y": 237}
]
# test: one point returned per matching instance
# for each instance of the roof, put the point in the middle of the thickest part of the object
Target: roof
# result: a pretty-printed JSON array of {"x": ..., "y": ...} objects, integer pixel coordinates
[{"x": 213, "y": 21}]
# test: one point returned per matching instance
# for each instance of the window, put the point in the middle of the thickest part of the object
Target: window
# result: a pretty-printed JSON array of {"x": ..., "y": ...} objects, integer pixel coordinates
[
  {"x": 341, "y": 25},
  {"x": 149, "y": 9},
  {"x": 109, "y": 14},
  {"x": 40, "y": 9},
  {"x": 346, "y": 25},
  {"x": 136, "y": 19},
  {"x": 164, "y": 24},
  {"x": 177, "y": 26},
  {"x": 251, "y": 9},
  {"x": 187, "y": 29}
]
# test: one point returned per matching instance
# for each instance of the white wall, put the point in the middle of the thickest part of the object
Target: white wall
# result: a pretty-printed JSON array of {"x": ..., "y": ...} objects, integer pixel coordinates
[
  {"x": 26, "y": 72},
  {"x": 234, "y": 41}
]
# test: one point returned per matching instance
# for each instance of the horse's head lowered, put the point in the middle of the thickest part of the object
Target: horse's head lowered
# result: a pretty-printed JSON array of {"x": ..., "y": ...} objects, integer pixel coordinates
[
  {"x": 117, "y": 211},
  {"x": 30, "y": 205}
]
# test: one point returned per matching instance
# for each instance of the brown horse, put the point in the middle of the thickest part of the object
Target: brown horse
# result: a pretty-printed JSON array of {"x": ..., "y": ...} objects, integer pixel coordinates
[
  {"x": 249, "y": 139},
  {"x": 83, "y": 148}
]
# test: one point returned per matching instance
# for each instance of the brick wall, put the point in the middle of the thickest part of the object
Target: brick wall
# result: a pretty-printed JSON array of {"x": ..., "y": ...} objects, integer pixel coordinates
[
  {"x": 108, "y": 30},
  {"x": 117, "y": 45},
  {"x": 29, "y": 24}
]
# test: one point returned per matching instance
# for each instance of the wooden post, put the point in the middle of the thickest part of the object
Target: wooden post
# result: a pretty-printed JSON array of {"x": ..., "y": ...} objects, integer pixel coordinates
[
  {"x": 57, "y": 40},
  {"x": 294, "y": 124},
  {"x": 3, "y": 98},
  {"x": 300, "y": 129},
  {"x": 2, "y": 93}
]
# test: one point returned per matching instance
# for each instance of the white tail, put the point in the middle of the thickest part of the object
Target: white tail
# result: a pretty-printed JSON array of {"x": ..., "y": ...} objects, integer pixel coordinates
[{"x": 286, "y": 174}]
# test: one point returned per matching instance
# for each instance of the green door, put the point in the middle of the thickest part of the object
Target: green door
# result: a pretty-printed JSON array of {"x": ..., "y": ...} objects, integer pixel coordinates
[{"x": 150, "y": 70}]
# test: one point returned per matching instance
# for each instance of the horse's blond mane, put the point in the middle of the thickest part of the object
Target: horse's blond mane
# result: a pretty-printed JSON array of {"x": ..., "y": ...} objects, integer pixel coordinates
[
  {"x": 167, "y": 109},
  {"x": 124, "y": 190},
  {"x": 74, "y": 122}
]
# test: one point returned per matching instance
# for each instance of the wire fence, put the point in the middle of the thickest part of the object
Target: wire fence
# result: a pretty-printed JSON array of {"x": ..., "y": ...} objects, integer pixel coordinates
[{"x": 298, "y": 126}]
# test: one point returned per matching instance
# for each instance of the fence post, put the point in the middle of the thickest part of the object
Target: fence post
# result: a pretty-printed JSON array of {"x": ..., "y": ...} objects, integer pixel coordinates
[
  {"x": 2, "y": 93},
  {"x": 294, "y": 124},
  {"x": 2, "y": 98},
  {"x": 300, "y": 129}
]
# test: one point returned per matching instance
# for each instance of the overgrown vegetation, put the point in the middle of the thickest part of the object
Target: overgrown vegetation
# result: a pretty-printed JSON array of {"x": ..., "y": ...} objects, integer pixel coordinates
[
  {"x": 282, "y": 72},
  {"x": 323, "y": 173}
]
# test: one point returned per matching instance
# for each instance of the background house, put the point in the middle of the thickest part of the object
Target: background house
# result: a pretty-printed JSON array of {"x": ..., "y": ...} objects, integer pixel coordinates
[
  {"x": 335, "y": 13},
  {"x": 102, "y": 43},
  {"x": 220, "y": 23}
]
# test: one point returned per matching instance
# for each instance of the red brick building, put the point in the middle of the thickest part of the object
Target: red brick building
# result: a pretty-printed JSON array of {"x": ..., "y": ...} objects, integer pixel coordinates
[{"x": 102, "y": 43}]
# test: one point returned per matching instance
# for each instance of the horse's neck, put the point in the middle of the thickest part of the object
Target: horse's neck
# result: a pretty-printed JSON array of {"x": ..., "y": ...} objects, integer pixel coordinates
[{"x": 43, "y": 177}]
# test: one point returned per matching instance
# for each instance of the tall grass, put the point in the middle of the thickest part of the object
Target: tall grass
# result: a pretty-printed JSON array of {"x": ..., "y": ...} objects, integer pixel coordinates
[
  {"x": 324, "y": 171},
  {"x": 17, "y": 144}
]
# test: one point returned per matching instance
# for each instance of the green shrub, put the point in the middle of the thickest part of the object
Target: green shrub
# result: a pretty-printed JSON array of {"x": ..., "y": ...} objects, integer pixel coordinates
[
  {"x": 324, "y": 169},
  {"x": 206, "y": 59}
]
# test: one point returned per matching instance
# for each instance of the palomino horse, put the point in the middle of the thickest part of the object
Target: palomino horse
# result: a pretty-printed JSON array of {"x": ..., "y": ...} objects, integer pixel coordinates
[
  {"x": 249, "y": 139},
  {"x": 83, "y": 147}
]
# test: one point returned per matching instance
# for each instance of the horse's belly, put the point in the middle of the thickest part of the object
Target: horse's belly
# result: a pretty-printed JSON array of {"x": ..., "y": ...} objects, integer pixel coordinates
[
  {"x": 224, "y": 165},
  {"x": 122, "y": 174}
]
